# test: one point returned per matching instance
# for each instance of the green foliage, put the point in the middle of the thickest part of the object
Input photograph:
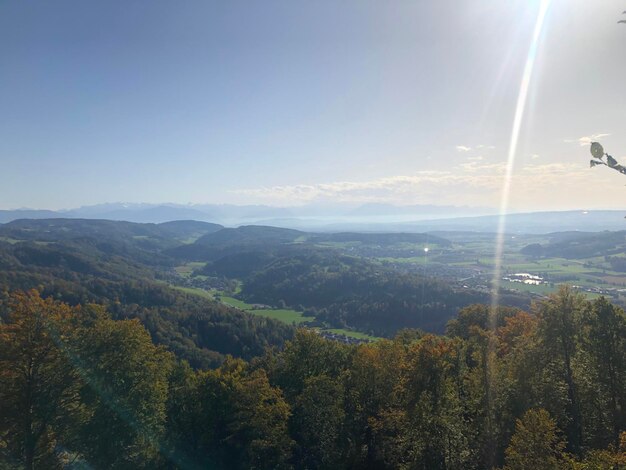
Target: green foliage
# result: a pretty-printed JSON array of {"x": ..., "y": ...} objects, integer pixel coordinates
[
  {"x": 318, "y": 423},
  {"x": 228, "y": 418},
  {"x": 536, "y": 444},
  {"x": 126, "y": 386},
  {"x": 559, "y": 330},
  {"x": 84, "y": 270},
  {"x": 307, "y": 355},
  {"x": 541, "y": 390},
  {"x": 81, "y": 382},
  {"x": 603, "y": 346},
  {"x": 350, "y": 292},
  {"x": 39, "y": 388}
]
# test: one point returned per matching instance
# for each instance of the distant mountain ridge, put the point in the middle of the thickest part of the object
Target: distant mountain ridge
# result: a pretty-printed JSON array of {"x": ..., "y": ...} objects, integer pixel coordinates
[
  {"x": 429, "y": 210},
  {"x": 151, "y": 237},
  {"x": 233, "y": 215},
  {"x": 341, "y": 217},
  {"x": 531, "y": 222}
]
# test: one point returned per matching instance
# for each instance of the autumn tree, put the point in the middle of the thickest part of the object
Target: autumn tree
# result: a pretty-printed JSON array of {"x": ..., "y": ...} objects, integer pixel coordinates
[
  {"x": 39, "y": 387},
  {"x": 558, "y": 331},
  {"x": 374, "y": 388},
  {"x": 318, "y": 423},
  {"x": 536, "y": 444},
  {"x": 605, "y": 348},
  {"x": 185, "y": 426},
  {"x": 242, "y": 420},
  {"x": 307, "y": 355},
  {"x": 435, "y": 404},
  {"x": 126, "y": 388}
]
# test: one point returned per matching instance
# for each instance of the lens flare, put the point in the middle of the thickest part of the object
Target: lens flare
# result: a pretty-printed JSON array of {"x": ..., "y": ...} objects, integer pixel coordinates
[{"x": 522, "y": 99}]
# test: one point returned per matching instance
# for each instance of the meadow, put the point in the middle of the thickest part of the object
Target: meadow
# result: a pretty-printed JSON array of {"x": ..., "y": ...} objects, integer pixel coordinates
[{"x": 285, "y": 315}]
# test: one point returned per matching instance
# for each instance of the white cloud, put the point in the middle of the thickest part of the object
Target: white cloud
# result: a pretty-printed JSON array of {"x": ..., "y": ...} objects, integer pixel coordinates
[
  {"x": 474, "y": 165},
  {"x": 465, "y": 148},
  {"x": 534, "y": 156},
  {"x": 470, "y": 183},
  {"x": 401, "y": 188},
  {"x": 586, "y": 140},
  {"x": 554, "y": 168}
]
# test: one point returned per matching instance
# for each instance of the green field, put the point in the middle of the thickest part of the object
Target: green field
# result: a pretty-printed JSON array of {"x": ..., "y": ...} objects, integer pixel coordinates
[
  {"x": 284, "y": 315},
  {"x": 475, "y": 254},
  {"x": 536, "y": 289},
  {"x": 291, "y": 317},
  {"x": 233, "y": 302},
  {"x": 541, "y": 289},
  {"x": 194, "y": 291},
  {"x": 409, "y": 260},
  {"x": 185, "y": 270},
  {"x": 353, "y": 334}
]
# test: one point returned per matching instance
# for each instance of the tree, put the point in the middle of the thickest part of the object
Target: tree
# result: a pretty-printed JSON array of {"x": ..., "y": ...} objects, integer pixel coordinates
[
  {"x": 258, "y": 426},
  {"x": 243, "y": 419},
  {"x": 558, "y": 329},
  {"x": 307, "y": 355},
  {"x": 536, "y": 444},
  {"x": 39, "y": 388},
  {"x": 483, "y": 382},
  {"x": 185, "y": 427},
  {"x": 126, "y": 386},
  {"x": 434, "y": 404},
  {"x": 609, "y": 459},
  {"x": 374, "y": 386},
  {"x": 318, "y": 423},
  {"x": 520, "y": 379},
  {"x": 605, "y": 345}
]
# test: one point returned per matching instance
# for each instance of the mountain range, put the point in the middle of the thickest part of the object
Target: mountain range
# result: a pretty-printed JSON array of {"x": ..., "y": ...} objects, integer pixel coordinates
[{"x": 372, "y": 217}]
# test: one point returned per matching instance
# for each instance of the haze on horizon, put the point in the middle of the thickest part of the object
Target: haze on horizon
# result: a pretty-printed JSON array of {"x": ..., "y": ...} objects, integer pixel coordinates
[{"x": 291, "y": 103}]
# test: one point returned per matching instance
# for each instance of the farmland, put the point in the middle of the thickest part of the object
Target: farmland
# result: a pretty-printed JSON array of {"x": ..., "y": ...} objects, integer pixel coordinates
[
  {"x": 469, "y": 261},
  {"x": 284, "y": 315},
  {"x": 293, "y": 277}
]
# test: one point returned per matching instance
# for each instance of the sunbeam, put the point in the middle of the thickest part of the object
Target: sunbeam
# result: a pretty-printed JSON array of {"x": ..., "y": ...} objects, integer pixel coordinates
[{"x": 520, "y": 107}]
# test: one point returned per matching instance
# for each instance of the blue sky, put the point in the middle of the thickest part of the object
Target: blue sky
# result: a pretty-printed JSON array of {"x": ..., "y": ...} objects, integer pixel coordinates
[{"x": 293, "y": 102}]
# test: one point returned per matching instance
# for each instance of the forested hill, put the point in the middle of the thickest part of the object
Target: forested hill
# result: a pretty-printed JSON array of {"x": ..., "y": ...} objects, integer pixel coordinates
[
  {"x": 254, "y": 238},
  {"x": 234, "y": 240},
  {"x": 121, "y": 265},
  {"x": 350, "y": 292},
  {"x": 161, "y": 235},
  {"x": 133, "y": 372},
  {"x": 336, "y": 286},
  {"x": 528, "y": 391},
  {"x": 128, "y": 263},
  {"x": 579, "y": 245}
]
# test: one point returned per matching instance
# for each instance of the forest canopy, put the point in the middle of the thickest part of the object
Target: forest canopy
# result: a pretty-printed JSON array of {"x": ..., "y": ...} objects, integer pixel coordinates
[{"x": 542, "y": 389}]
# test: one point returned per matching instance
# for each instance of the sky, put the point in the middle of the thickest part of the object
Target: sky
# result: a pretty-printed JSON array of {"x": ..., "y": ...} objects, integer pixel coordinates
[{"x": 297, "y": 102}]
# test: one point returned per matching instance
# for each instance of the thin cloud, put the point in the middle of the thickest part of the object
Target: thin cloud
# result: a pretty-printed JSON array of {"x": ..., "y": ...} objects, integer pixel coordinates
[
  {"x": 423, "y": 184},
  {"x": 463, "y": 148},
  {"x": 473, "y": 165},
  {"x": 586, "y": 140},
  {"x": 474, "y": 182}
]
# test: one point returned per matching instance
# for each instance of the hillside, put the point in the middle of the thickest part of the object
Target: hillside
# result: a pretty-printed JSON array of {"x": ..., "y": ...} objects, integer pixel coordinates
[
  {"x": 120, "y": 265},
  {"x": 336, "y": 277},
  {"x": 579, "y": 245}
]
